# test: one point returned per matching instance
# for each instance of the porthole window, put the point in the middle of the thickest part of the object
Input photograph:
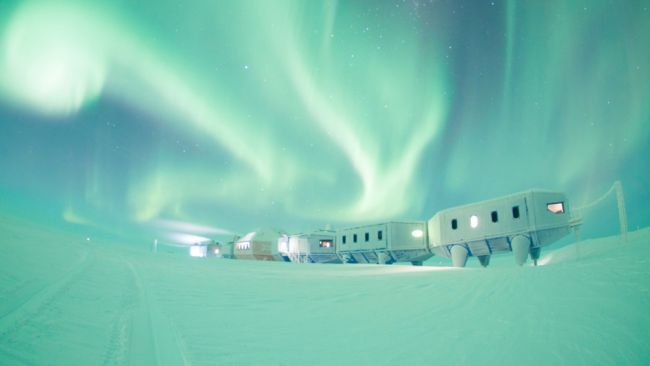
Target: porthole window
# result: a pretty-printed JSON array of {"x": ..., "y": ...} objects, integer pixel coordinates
[
  {"x": 495, "y": 216},
  {"x": 454, "y": 224},
  {"x": 354, "y": 238},
  {"x": 380, "y": 235},
  {"x": 343, "y": 239},
  {"x": 367, "y": 236},
  {"x": 515, "y": 212}
]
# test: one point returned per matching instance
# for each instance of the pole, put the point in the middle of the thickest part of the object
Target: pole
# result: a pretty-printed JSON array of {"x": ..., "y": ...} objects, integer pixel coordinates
[{"x": 622, "y": 214}]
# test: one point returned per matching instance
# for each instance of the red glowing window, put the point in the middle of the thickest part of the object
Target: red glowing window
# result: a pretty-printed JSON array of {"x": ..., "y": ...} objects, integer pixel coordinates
[{"x": 555, "y": 207}]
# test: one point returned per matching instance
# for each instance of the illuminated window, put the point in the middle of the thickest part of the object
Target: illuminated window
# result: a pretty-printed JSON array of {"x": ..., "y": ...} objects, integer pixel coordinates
[
  {"x": 343, "y": 239},
  {"x": 354, "y": 238},
  {"x": 473, "y": 221},
  {"x": 454, "y": 224},
  {"x": 198, "y": 251},
  {"x": 515, "y": 212},
  {"x": 380, "y": 235},
  {"x": 326, "y": 243},
  {"x": 367, "y": 236},
  {"x": 495, "y": 216},
  {"x": 556, "y": 207},
  {"x": 244, "y": 245},
  {"x": 283, "y": 244},
  {"x": 417, "y": 233}
]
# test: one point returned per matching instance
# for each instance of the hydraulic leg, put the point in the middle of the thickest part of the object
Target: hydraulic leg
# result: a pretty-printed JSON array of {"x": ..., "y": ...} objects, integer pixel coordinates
[
  {"x": 520, "y": 248},
  {"x": 458, "y": 256},
  {"x": 535, "y": 253},
  {"x": 484, "y": 260},
  {"x": 382, "y": 258}
]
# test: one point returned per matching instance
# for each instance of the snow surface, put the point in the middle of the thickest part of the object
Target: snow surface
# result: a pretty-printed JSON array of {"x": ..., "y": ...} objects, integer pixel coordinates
[{"x": 66, "y": 300}]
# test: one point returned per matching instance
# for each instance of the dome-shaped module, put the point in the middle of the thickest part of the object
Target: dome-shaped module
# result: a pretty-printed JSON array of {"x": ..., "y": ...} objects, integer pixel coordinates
[{"x": 260, "y": 245}]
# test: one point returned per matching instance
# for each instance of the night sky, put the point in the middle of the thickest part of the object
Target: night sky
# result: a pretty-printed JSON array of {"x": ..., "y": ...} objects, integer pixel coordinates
[{"x": 216, "y": 117}]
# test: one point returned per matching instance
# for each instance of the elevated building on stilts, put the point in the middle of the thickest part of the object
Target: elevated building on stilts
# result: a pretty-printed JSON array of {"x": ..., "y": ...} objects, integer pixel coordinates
[{"x": 521, "y": 223}]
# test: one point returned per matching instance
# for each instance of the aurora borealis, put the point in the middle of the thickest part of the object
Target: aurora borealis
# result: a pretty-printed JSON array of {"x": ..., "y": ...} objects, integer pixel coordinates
[{"x": 231, "y": 115}]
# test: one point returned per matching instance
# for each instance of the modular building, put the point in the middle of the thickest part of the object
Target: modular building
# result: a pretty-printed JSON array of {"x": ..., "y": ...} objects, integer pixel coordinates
[
  {"x": 221, "y": 250},
  {"x": 260, "y": 245},
  {"x": 199, "y": 250},
  {"x": 521, "y": 223},
  {"x": 317, "y": 247},
  {"x": 384, "y": 243}
]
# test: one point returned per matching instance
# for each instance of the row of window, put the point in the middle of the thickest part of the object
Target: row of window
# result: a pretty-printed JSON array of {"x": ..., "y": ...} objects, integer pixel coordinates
[
  {"x": 494, "y": 215},
  {"x": 323, "y": 243},
  {"x": 366, "y": 237},
  {"x": 243, "y": 245},
  {"x": 553, "y": 207}
]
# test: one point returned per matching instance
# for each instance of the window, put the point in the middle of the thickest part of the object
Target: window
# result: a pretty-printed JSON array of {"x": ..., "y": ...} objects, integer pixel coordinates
[
  {"x": 495, "y": 216},
  {"x": 354, "y": 238},
  {"x": 515, "y": 212},
  {"x": 326, "y": 243},
  {"x": 343, "y": 239},
  {"x": 473, "y": 221},
  {"x": 555, "y": 207},
  {"x": 380, "y": 235},
  {"x": 454, "y": 224},
  {"x": 243, "y": 245},
  {"x": 367, "y": 236},
  {"x": 198, "y": 251}
]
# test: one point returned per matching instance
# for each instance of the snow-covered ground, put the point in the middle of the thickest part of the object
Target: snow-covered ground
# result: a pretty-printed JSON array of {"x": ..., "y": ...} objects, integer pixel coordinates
[{"x": 65, "y": 300}]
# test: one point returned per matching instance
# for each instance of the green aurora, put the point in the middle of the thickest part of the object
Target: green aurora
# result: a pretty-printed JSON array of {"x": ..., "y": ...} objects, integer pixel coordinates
[{"x": 120, "y": 115}]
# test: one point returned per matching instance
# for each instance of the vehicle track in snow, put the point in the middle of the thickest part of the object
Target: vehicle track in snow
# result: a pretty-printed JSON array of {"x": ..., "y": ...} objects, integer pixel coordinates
[
  {"x": 118, "y": 347},
  {"x": 24, "y": 305},
  {"x": 96, "y": 301},
  {"x": 141, "y": 333}
]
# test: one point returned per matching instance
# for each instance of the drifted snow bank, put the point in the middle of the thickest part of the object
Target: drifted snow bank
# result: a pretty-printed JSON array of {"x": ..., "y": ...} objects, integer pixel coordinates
[{"x": 66, "y": 300}]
